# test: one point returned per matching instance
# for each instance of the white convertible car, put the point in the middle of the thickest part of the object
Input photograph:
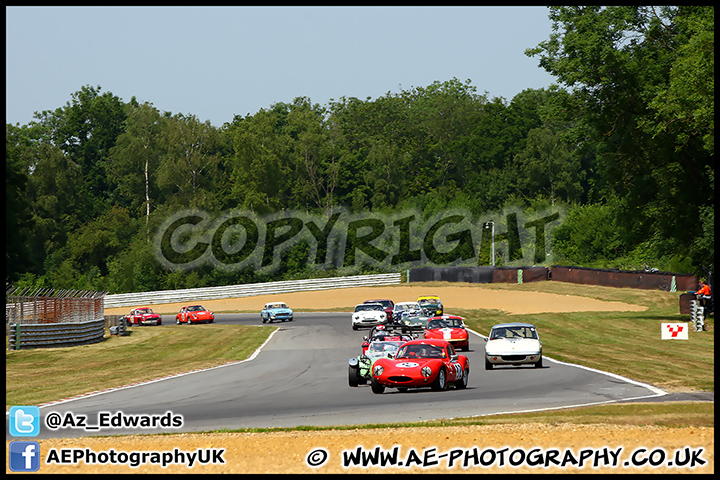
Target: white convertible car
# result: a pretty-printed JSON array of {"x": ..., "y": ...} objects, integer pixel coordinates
[
  {"x": 513, "y": 344},
  {"x": 368, "y": 315}
]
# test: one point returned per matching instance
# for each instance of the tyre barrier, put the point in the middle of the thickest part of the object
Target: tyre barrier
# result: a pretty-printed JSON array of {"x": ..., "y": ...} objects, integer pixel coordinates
[
  {"x": 67, "y": 334},
  {"x": 697, "y": 315},
  {"x": 117, "y": 324}
]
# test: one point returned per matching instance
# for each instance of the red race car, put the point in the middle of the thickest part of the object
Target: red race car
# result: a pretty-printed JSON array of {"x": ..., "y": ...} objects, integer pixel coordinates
[
  {"x": 421, "y": 363},
  {"x": 450, "y": 328},
  {"x": 143, "y": 316},
  {"x": 194, "y": 314}
]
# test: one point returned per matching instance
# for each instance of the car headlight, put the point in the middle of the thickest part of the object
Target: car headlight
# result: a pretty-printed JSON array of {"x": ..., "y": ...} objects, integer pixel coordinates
[
  {"x": 426, "y": 371},
  {"x": 377, "y": 370}
]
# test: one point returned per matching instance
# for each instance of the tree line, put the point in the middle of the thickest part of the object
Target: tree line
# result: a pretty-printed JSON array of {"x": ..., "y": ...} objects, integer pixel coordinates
[{"x": 624, "y": 143}]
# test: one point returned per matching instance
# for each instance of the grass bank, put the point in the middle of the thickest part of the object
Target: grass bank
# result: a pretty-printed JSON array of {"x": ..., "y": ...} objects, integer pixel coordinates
[
  {"x": 625, "y": 343},
  {"x": 47, "y": 374}
]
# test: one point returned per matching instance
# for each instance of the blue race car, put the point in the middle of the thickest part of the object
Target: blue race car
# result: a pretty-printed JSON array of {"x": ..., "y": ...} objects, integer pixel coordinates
[{"x": 276, "y": 311}]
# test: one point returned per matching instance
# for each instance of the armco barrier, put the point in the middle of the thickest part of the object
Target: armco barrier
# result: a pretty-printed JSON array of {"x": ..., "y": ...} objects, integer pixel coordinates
[
  {"x": 23, "y": 336},
  {"x": 247, "y": 290}
]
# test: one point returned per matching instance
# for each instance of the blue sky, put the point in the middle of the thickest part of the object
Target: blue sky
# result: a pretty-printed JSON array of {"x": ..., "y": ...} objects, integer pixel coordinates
[{"x": 217, "y": 62}]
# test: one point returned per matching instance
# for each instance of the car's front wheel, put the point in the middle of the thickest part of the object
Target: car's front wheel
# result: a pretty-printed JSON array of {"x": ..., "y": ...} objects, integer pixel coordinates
[
  {"x": 376, "y": 387},
  {"x": 463, "y": 382},
  {"x": 440, "y": 382},
  {"x": 353, "y": 373},
  {"x": 539, "y": 364},
  {"x": 488, "y": 365}
]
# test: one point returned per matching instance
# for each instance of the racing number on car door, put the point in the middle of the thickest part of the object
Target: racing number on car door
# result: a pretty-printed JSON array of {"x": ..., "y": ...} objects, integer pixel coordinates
[{"x": 458, "y": 370}]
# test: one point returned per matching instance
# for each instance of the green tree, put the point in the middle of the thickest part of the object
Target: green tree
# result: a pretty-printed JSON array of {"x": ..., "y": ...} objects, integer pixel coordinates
[
  {"x": 90, "y": 247},
  {"x": 589, "y": 236},
  {"x": 18, "y": 217},
  {"x": 190, "y": 163},
  {"x": 621, "y": 64},
  {"x": 258, "y": 165},
  {"x": 317, "y": 152},
  {"x": 547, "y": 167},
  {"x": 53, "y": 192},
  {"x": 85, "y": 129},
  {"x": 135, "y": 158}
]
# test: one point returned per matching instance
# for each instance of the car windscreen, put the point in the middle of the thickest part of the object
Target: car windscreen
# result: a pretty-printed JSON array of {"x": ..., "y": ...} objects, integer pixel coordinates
[
  {"x": 444, "y": 323},
  {"x": 421, "y": 351},
  {"x": 368, "y": 307},
  {"x": 384, "y": 347},
  {"x": 406, "y": 306},
  {"x": 513, "y": 332},
  {"x": 451, "y": 323}
]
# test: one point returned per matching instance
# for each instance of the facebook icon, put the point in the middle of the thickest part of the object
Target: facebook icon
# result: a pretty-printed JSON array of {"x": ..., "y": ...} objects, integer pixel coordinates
[{"x": 24, "y": 456}]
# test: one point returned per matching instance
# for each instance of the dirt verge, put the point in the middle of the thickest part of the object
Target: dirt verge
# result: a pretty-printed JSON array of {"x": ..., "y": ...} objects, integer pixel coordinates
[
  {"x": 461, "y": 296},
  {"x": 485, "y": 449}
]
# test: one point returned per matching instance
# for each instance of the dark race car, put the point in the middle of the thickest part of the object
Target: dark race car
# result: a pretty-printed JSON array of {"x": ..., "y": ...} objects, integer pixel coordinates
[
  {"x": 414, "y": 322},
  {"x": 421, "y": 363},
  {"x": 383, "y": 333}
]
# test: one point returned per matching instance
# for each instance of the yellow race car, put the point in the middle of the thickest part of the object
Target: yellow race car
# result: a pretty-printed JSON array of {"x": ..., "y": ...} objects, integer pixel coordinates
[{"x": 431, "y": 305}]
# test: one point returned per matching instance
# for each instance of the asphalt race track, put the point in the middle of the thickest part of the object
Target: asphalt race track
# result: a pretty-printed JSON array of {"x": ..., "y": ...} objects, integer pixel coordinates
[{"x": 300, "y": 378}]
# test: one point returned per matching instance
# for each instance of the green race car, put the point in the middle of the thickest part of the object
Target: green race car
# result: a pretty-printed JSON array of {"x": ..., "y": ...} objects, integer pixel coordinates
[
  {"x": 359, "y": 368},
  {"x": 412, "y": 323}
]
